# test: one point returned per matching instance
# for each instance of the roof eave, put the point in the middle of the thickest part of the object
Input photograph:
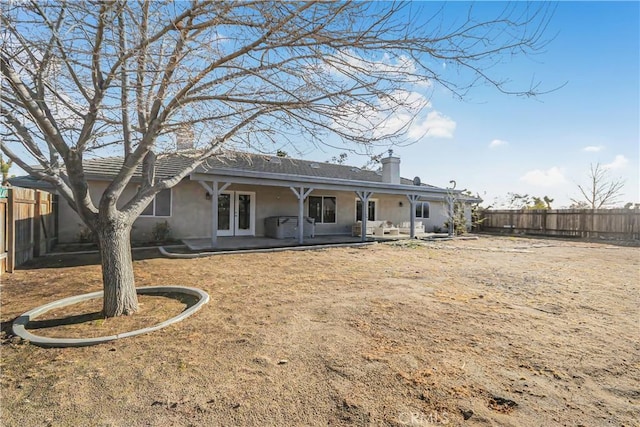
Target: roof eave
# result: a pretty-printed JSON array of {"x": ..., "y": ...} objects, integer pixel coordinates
[{"x": 292, "y": 179}]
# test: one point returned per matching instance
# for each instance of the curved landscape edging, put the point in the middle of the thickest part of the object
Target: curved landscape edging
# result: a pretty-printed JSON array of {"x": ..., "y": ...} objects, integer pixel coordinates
[{"x": 19, "y": 325}]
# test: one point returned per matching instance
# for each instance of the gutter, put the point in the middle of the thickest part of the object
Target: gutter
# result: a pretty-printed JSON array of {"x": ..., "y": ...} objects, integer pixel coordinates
[{"x": 286, "y": 180}]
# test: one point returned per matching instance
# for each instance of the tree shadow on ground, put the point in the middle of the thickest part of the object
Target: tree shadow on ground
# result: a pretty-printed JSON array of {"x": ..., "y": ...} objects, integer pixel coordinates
[
  {"x": 6, "y": 330},
  {"x": 64, "y": 321},
  {"x": 78, "y": 260}
]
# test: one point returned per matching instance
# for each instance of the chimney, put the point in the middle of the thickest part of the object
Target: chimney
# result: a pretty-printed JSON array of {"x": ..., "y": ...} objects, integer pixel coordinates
[
  {"x": 391, "y": 169},
  {"x": 185, "y": 138}
]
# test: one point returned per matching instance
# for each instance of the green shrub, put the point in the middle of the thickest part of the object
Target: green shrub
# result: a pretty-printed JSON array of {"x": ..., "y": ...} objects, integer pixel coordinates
[
  {"x": 459, "y": 220},
  {"x": 161, "y": 231}
]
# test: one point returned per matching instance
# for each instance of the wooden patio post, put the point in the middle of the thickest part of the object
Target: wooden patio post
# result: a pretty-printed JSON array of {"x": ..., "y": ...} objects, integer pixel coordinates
[
  {"x": 364, "y": 198},
  {"x": 214, "y": 214},
  {"x": 214, "y": 190},
  {"x": 413, "y": 198},
  {"x": 301, "y": 195}
]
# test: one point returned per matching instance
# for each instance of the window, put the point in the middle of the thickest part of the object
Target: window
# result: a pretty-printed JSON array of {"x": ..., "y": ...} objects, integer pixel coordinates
[
  {"x": 422, "y": 210},
  {"x": 160, "y": 205},
  {"x": 371, "y": 211},
  {"x": 322, "y": 209}
]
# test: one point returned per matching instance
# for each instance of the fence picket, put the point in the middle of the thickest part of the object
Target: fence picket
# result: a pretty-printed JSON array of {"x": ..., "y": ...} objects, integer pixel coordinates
[
  {"x": 606, "y": 223},
  {"x": 29, "y": 226}
]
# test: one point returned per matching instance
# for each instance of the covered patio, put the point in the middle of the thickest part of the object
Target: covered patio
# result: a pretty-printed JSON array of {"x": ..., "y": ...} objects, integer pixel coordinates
[{"x": 331, "y": 201}]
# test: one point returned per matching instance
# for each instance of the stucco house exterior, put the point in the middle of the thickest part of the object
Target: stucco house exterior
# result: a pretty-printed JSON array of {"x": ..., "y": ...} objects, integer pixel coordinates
[{"x": 242, "y": 193}]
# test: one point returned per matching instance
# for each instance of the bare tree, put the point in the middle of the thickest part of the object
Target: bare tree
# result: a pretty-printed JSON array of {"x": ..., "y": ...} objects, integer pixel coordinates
[
  {"x": 84, "y": 79},
  {"x": 601, "y": 191},
  {"x": 526, "y": 201}
]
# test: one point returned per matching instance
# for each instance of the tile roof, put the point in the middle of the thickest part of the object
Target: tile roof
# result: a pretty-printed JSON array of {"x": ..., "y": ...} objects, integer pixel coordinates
[
  {"x": 169, "y": 166},
  {"x": 29, "y": 181},
  {"x": 106, "y": 168}
]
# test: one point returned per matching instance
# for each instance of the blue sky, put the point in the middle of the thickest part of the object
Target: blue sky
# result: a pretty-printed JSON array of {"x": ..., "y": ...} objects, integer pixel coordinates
[
  {"x": 544, "y": 146},
  {"x": 493, "y": 144}
]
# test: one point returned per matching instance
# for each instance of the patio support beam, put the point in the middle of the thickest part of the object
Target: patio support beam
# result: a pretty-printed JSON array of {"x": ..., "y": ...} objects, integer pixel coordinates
[
  {"x": 301, "y": 194},
  {"x": 364, "y": 198},
  {"x": 413, "y": 198},
  {"x": 215, "y": 191}
]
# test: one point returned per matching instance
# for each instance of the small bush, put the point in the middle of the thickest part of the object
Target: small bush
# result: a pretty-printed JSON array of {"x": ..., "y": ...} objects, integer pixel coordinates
[
  {"x": 161, "y": 231},
  {"x": 459, "y": 220}
]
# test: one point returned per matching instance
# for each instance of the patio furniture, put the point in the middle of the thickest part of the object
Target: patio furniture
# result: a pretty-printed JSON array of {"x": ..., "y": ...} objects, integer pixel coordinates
[
  {"x": 405, "y": 227},
  {"x": 356, "y": 229},
  {"x": 386, "y": 228}
]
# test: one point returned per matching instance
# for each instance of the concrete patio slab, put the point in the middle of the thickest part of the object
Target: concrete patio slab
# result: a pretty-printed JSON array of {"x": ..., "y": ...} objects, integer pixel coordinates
[
  {"x": 253, "y": 242},
  {"x": 228, "y": 243}
]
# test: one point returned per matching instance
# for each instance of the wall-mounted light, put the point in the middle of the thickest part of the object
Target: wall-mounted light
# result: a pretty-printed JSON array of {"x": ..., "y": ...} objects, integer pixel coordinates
[
  {"x": 207, "y": 195},
  {"x": 400, "y": 203}
]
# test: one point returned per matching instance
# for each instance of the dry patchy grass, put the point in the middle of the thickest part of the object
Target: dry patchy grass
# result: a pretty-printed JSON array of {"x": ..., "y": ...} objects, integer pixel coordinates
[{"x": 502, "y": 331}]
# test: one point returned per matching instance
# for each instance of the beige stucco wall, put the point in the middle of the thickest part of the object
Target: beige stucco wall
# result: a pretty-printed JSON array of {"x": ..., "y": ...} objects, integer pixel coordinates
[
  {"x": 69, "y": 223},
  {"x": 437, "y": 216},
  {"x": 191, "y": 211},
  {"x": 187, "y": 219}
]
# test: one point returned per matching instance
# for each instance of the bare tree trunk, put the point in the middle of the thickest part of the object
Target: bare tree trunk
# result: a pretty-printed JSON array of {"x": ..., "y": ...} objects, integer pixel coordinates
[{"x": 120, "y": 296}]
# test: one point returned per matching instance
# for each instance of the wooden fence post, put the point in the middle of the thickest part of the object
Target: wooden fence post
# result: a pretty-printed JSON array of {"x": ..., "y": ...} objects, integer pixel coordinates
[
  {"x": 36, "y": 223},
  {"x": 11, "y": 232},
  {"x": 45, "y": 222},
  {"x": 511, "y": 222}
]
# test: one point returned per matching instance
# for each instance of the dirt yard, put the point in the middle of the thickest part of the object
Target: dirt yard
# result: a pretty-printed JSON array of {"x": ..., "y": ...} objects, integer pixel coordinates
[{"x": 488, "y": 332}]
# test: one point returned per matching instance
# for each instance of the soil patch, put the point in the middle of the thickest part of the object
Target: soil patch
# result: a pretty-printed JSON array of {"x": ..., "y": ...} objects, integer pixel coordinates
[{"x": 85, "y": 319}]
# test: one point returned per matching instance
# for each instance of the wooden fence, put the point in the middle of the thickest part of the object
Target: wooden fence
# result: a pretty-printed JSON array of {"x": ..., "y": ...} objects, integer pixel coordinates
[
  {"x": 29, "y": 225},
  {"x": 586, "y": 223}
]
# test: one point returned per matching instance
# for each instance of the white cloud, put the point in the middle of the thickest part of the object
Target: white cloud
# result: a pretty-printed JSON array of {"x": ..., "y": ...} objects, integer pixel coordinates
[
  {"x": 399, "y": 112},
  {"x": 497, "y": 143},
  {"x": 435, "y": 125},
  {"x": 618, "y": 163},
  {"x": 593, "y": 148},
  {"x": 544, "y": 178},
  {"x": 348, "y": 64},
  {"x": 412, "y": 101}
]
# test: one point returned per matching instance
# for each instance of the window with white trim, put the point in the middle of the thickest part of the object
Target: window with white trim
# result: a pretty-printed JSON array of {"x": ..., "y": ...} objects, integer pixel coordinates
[
  {"x": 323, "y": 209},
  {"x": 160, "y": 205},
  {"x": 422, "y": 210},
  {"x": 371, "y": 210}
]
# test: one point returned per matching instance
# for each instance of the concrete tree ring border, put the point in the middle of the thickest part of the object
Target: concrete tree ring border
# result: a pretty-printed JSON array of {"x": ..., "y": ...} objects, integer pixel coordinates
[{"x": 20, "y": 330}]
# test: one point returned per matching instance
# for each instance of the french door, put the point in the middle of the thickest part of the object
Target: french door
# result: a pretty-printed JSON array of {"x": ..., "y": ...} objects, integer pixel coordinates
[{"x": 236, "y": 213}]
